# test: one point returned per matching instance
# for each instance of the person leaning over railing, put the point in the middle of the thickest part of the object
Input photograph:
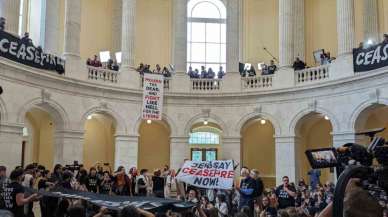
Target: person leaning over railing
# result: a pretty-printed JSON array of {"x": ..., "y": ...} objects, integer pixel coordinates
[
  {"x": 298, "y": 64},
  {"x": 2, "y": 23},
  {"x": 221, "y": 73}
]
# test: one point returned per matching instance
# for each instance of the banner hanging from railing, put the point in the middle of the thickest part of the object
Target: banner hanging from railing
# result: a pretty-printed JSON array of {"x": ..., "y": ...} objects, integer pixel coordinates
[
  {"x": 24, "y": 52},
  {"x": 370, "y": 58},
  {"x": 208, "y": 174},
  {"x": 152, "y": 97}
]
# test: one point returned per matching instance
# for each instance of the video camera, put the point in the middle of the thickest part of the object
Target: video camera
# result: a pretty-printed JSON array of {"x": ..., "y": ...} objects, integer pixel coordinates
[
  {"x": 355, "y": 161},
  {"x": 74, "y": 167}
]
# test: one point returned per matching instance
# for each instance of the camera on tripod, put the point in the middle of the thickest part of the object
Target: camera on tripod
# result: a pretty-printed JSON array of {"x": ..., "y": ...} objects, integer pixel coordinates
[{"x": 356, "y": 161}]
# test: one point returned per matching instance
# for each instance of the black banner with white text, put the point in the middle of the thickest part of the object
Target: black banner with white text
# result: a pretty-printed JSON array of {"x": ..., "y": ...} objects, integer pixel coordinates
[
  {"x": 13, "y": 48},
  {"x": 370, "y": 58},
  {"x": 118, "y": 202}
]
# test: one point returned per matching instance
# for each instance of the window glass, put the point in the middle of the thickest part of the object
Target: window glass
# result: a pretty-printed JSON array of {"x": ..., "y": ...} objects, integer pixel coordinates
[
  {"x": 196, "y": 155},
  {"x": 210, "y": 155},
  {"x": 204, "y": 138},
  {"x": 206, "y": 33}
]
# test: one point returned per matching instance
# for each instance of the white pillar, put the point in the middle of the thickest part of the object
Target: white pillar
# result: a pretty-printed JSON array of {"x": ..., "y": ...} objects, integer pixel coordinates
[
  {"x": 128, "y": 34},
  {"x": 345, "y": 26},
  {"x": 232, "y": 36},
  {"x": 11, "y": 145},
  {"x": 341, "y": 138},
  {"x": 51, "y": 27},
  {"x": 68, "y": 146},
  {"x": 72, "y": 29},
  {"x": 117, "y": 14},
  {"x": 126, "y": 151},
  {"x": 286, "y": 41},
  {"x": 299, "y": 29},
  {"x": 287, "y": 158},
  {"x": 179, "y": 35},
  {"x": 231, "y": 149},
  {"x": 370, "y": 20},
  {"x": 9, "y": 9},
  {"x": 179, "y": 151}
]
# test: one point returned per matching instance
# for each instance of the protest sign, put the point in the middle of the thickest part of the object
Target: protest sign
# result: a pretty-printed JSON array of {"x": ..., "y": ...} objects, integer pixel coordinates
[
  {"x": 152, "y": 97},
  {"x": 208, "y": 174}
]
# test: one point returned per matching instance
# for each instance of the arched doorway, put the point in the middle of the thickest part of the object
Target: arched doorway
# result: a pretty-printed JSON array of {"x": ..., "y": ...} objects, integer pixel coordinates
[
  {"x": 154, "y": 145},
  {"x": 99, "y": 140},
  {"x": 375, "y": 116},
  {"x": 38, "y": 145},
  {"x": 205, "y": 141},
  {"x": 313, "y": 131},
  {"x": 258, "y": 148}
]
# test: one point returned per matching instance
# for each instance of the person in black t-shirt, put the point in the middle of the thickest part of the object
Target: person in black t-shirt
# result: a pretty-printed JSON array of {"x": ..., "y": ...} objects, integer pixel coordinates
[
  {"x": 298, "y": 64},
  {"x": 158, "y": 184},
  {"x": 272, "y": 68},
  {"x": 3, "y": 182},
  {"x": 106, "y": 184},
  {"x": 13, "y": 194},
  {"x": 92, "y": 180},
  {"x": 286, "y": 194}
]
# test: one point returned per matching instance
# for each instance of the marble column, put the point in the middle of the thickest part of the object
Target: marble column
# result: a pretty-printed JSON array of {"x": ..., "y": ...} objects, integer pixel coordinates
[
  {"x": 232, "y": 36},
  {"x": 287, "y": 158},
  {"x": 179, "y": 151},
  {"x": 68, "y": 146},
  {"x": 299, "y": 30},
  {"x": 11, "y": 144},
  {"x": 10, "y": 10},
  {"x": 231, "y": 149},
  {"x": 341, "y": 138},
  {"x": 345, "y": 26},
  {"x": 370, "y": 20},
  {"x": 126, "y": 151},
  {"x": 128, "y": 34},
  {"x": 286, "y": 32},
  {"x": 51, "y": 27},
  {"x": 117, "y": 14},
  {"x": 179, "y": 35},
  {"x": 72, "y": 29}
]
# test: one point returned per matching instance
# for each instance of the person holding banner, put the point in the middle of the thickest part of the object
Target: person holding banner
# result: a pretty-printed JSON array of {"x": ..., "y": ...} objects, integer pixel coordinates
[{"x": 13, "y": 194}]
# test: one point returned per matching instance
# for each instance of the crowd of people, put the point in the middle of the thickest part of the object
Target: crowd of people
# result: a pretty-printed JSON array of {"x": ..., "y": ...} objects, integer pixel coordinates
[
  {"x": 145, "y": 68},
  {"x": 205, "y": 74},
  {"x": 248, "y": 198},
  {"x": 95, "y": 62}
]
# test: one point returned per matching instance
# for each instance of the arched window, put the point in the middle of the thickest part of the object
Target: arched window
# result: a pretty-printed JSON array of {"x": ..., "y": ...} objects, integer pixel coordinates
[{"x": 206, "y": 34}]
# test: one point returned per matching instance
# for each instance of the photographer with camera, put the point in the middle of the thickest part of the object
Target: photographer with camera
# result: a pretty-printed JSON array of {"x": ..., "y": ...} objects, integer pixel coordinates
[
  {"x": 359, "y": 180},
  {"x": 354, "y": 197}
]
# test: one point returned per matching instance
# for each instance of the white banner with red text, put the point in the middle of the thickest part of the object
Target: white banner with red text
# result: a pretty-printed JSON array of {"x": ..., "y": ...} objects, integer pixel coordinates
[
  {"x": 217, "y": 174},
  {"x": 152, "y": 97}
]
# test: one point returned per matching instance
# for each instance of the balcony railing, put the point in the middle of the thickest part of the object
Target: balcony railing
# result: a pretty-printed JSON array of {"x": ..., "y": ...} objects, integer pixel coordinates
[
  {"x": 205, "y": 84},
  {"x": 259, "y": 82},
  {"x": 102, "y": 74},
  {"x": 166, "y": 82},
  {"x": 312, "y": 74}
]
